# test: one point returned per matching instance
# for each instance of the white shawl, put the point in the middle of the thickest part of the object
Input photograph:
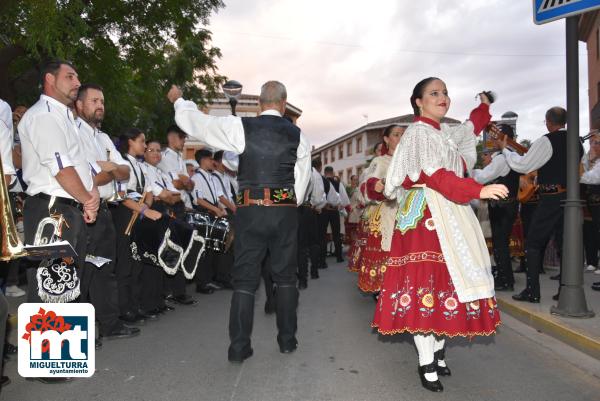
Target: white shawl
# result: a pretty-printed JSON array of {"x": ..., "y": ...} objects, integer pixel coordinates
[
  {"x": 423, "y": 148},
  {"x": 387, "y": 210}
]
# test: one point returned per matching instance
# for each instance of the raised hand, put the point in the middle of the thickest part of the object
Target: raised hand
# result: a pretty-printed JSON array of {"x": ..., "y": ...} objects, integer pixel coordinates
[{"x": 174, "y": 93}]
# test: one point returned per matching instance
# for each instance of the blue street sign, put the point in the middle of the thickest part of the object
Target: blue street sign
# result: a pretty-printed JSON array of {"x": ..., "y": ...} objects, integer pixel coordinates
[{"x": 551, "y": 10}]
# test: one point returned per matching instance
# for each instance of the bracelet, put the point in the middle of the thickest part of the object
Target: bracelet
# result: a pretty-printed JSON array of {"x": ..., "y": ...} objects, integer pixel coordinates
[{"x": 144, "y": 208}]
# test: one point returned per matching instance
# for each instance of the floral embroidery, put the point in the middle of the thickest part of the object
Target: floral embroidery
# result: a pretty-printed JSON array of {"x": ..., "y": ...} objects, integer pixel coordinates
[
  {"x": 427, "y": 300},
  {"x": 383, "y": 269},
  {"x": 405, "y": 300},
  {"x": 411, "y": 211},
  {"x": 283, "y": 194},
  {"x": 427, "y": 256},
  {"x": 450, "y": 303}
]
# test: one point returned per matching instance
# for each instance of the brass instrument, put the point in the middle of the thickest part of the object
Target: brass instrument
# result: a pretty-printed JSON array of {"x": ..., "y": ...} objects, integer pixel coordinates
[
  {"x": 11, "y": 246},
  {"x": 135, "y": 215},
  {"x": 116, "y": 196},
  {"x": 56, "y": 222}
]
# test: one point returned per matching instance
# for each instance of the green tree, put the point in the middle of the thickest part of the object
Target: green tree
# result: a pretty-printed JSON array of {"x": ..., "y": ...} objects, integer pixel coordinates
[{"x": 133, "y": 48}]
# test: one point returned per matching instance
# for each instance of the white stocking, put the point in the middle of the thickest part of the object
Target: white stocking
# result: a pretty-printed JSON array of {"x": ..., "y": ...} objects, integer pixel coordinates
[
  {"x": 438, "y": 345},
  {"x": 425, "y": 346}
]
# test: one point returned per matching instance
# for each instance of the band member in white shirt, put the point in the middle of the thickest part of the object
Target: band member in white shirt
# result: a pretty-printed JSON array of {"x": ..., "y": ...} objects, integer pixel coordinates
[
  {"x": 98, "y": 283},
  {"x": 172, "y": 162},
  {"x": 57, "y": 174}
]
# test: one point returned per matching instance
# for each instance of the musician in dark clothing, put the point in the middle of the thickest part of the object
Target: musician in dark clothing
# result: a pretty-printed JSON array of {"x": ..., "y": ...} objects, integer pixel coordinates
[
  {"x": 273, "y": 173},
  {"x": 502, "y": 212},
  {"x": 548, "y": 155}
]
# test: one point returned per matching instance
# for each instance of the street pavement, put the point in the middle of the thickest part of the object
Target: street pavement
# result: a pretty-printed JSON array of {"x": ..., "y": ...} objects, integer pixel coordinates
[{"x": 183, "y": 356}]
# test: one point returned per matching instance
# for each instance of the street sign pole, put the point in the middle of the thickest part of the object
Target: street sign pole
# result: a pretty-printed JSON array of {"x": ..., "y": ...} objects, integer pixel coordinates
[{"x": 572, "y": 301}]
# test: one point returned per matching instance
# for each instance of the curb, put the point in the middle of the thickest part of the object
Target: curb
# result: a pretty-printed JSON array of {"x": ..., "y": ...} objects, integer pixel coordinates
[{"x": 546, "y": 324}]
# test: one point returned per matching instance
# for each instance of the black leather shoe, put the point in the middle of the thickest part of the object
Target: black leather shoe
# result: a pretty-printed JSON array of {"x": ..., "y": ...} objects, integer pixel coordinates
[
  {"x": 204, "y": 289},
  {"x": 166, "y": 308},
  {"x": 239, "y": 358},
  {"x": 182, "y": 299},
  {"x": 525, "y": 296},
  {"x": 435, "y": 386},
  {"x": 147, "y": 315},
  {"x": 504, "y": 287},
  {"x": 288, "y": 349},
  {"x": 132, "y": 319},
  {"x": 302, "y": 285},
  {"x": 339, "y": 260},
  {"x": 596, "y": 286},
  {"x": 440, "y": 355},
  {"x": 555, "y": 277},
  {"x": 99, "y": 343},
  {"x": 122, "y": 332}
]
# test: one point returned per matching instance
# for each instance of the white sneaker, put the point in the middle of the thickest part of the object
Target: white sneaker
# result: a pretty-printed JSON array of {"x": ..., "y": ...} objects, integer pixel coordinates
[
  {"x": 590, "y": 268},
  {"x": 14, "y": 291}
]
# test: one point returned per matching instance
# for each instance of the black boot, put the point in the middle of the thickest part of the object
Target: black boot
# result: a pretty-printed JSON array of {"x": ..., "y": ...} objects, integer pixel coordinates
[
  {"x": 241, "y": 317},
  {"x": 287, "y": 303},
  {"x": 440, "y": 355},
  {"x": 435, "y": 386}
]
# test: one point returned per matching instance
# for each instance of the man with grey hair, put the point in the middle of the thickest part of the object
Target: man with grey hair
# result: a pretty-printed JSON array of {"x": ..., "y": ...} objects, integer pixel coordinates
[{"x": 273, "y": 175}]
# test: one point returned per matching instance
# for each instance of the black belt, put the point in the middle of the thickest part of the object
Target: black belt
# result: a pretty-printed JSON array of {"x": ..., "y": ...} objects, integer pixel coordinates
[
  {"x": 60, "y": 200},
  {"x": 551, "y": 189}
]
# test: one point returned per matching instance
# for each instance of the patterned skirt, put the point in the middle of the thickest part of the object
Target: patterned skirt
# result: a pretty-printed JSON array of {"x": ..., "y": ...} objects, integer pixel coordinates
[
  {"x": 372, "y": 264},
  {"x": 417, "y": 294},
  {"x": 358, "y": 245}
]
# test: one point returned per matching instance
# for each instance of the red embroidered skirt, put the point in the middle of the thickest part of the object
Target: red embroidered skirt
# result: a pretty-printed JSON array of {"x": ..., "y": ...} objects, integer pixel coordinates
[
  {"x": 372, "y": 264},
  {"x": 358, "y": 245},
  {"x": 418, "y": 296}
]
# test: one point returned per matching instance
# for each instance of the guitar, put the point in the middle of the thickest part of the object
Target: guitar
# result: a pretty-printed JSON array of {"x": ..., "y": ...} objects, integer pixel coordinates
[
  {"x": 527, "y": 187},
  {"x": 495, "y": 133}
]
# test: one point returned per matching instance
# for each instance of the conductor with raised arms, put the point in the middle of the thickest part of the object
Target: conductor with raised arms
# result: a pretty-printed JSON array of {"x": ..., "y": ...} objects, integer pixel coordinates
[{"x": 274, "y": 171}]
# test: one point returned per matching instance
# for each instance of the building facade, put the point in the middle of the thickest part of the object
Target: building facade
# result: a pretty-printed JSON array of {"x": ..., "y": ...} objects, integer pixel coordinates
[
  {"x": 589, "y": 32},
  {"x": 247, "y": 106},
  {"x": 350, "y": 154}
]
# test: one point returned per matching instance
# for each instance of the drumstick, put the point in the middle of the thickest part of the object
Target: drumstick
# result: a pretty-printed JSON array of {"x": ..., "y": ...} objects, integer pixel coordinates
[{"x": 135, "y": 215}]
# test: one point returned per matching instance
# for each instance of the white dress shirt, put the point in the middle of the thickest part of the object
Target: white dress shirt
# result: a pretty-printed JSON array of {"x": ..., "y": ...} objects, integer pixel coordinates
[
  {"x": 173, "y": 165},
  {"x": 538, "y": 154},
  {"x": 6, "y": 138},
  {"x": 332, "y": 197},
  {"x": 96, "y": 144},
  {"x": 158, "y": 180},
  {"x": 222, "y": 182},
  {"x": 498, "y": 167},
  {"x": 50, "y": 142},
  {"x": 317, "y": 197},
  {"x": 138, "y": 177},
  {"x": 227, "y": 133},
  {"x": 344, "y": 199},
  {"x": 591, "y": 175},
  {"x": 206, "y": 188}
]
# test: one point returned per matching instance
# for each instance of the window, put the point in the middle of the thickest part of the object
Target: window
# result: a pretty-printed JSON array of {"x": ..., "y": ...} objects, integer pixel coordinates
[
  {"x": 340, "y": 152},
  {"x": 341, "y": 175},
  {"x": 359, "y": 145},
  {"x": 359, "y": 171},
  {"x": 349, "y": 174},
  {"x": 332, "y": 155},
  {"x": 349, "y": 149},
  {"x": 325, "y": 158}
]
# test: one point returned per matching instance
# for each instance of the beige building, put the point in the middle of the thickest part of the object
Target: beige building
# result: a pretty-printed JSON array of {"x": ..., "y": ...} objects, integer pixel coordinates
[
  {"x": 350, "y": 153},
  {"x": 247, "y": 106},
  {"x": 589, "y": 32}
]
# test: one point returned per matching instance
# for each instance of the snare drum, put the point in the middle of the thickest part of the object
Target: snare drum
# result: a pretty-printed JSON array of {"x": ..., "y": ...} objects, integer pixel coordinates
[{"x": 216, "y": 231}]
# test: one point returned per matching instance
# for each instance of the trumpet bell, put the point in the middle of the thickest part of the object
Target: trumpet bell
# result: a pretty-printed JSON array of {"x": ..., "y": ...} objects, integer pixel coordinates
[{"x": 11, "y": 246}]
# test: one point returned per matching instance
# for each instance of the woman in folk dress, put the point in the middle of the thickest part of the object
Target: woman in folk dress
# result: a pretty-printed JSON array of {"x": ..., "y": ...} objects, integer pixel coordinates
[
  {"x": 438, "y": 281},
  {"x": 381, "y": 222}
]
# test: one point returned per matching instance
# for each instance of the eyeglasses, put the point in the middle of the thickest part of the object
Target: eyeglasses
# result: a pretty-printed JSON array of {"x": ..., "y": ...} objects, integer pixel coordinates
[{"x": 153, "y": 150}]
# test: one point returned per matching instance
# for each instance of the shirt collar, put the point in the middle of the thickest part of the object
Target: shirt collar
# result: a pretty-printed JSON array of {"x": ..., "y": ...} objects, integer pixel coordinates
[
  {"x": 428, "y": 121},
  {"x": 271, "y": 112},
  {"x": 56, "y": 103}
]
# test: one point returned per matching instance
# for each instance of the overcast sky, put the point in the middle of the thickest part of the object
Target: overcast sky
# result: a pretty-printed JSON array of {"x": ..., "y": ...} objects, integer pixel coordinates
[{"x": 344, "y": 60}]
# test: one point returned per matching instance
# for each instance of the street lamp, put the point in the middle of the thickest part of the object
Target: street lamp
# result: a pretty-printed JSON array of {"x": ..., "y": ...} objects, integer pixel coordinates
[{"x": 233, "y": 91}]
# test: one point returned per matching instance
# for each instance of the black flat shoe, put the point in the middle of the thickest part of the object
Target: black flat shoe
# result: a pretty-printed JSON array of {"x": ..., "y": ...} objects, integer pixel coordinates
[
  {"x": 302, "y": 285},
  {"x": 182, "y": 300},
  {"x": 289, "y": 348},
  {"x": 122, "y": 332},
  {"x": 555, "y": 297},
  {"x": 435, "y": 386},
  {"x": 440, "y": 355},
  {"x": 132, "y": 319},
  {"x": 525, "y": 296},
  {"x": 239, "y": 358},
  {"x": 147, "y": 315},
  {"x": 314, "y": 275},
  {"x": 270, "y": 306}
]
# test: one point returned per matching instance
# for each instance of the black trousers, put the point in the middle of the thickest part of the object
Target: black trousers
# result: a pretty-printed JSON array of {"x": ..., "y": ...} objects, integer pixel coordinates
[
  {"x": 98, "y": 285},
  {"x": 3, "y": 321},
  {"x": 74, "y": 231},
  {"x": 175, "y": 284},
  {"x": 207, "y": 268},
  {"x": 152, "y": 284},
  {"x": 330, "y": 217},
  {"x": 502, "y": 218},
  {"x": 308, "y": 241},
  {"x": 547, "y": 220},
  {"x": 591, "y": 235},
  {"x": 127, "y": 271}
]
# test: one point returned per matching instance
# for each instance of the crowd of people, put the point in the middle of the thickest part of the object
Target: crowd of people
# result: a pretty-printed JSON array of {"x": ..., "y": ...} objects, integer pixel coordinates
[{"x": 144, "y": 222}]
